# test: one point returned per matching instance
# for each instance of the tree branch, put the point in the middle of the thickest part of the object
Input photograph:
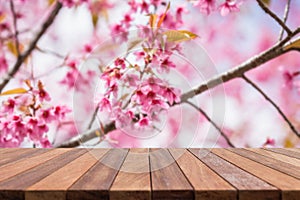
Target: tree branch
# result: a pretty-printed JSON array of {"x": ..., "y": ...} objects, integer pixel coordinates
[
  {"x": 272, "y": 103},
  {"x": 14, "y": 15},
  {"x": 273, "y": 52},
  {"x": 274, "y": 16},
  {"x": 91, "y": 134},
  {"x": 285, "y": 17},
  {"x": 32, "y": 45},
  {"x": 212, "y": 122},
  {"x": 239, "y": 70}
]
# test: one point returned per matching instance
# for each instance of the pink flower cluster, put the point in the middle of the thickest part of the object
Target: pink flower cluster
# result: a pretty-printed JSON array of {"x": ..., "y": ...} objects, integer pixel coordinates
[
  {"x": 3, "y": 64},
  {"x": 71, "y": 3},
  {"x": 146, "y": 7},
  {"x": 135, "y": 93},
  {"x": 207, "y": 6},
  {"x": 27, "y": 117},
  {"x": 290, "y": 80},
  {"x": 76, "y": 79}
]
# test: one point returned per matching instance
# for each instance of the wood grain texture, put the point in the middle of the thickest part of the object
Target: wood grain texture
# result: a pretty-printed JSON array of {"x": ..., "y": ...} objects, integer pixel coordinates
[
  {"x": 133, "y": 179},
  {"x": 289, "y": 186},
  {"x": 95, "y": 184},
  {"x": 273, "y": 163},
  {"x": 49, "y": 188},
  {"x": 277, "y": 156},
  {"x": 207, "y": 184},
  {"x": 7, "y": 150},
  {"x": 249, "y": 187},
  {"x": 287, "y": 152},
  {"x": 295, "y": 149},
  {"x": 12, "y": 155},
  {"x": 90, "y": 174},
  {"x": 168, "y": 181},
  {"x": 14, "y": 168},
  {"x": 13, "y": 188}
]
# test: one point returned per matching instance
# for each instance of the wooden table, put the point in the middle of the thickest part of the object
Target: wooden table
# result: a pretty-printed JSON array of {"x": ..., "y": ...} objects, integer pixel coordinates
[{"x": 79, "y": 174}]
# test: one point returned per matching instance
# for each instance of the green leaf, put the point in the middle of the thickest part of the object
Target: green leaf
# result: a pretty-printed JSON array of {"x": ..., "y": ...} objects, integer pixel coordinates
[
  {"x": 288, "y": 143},
  {"x": 95, "y": 19},
  {"x": 293, "y": 45},
  {"x": 12, "y": 47},
  {"x": 160, "y": 21},
  {"x": 14, "y": 91},
  {"x": 179, "y": 35},
  {"x": 152, "y": 20},
  {"x": 2, "y": 16},
  {"x": 50, "y": 2},
  {"x": 266, "y": 2},
  {"x": 134, "y": 43}
]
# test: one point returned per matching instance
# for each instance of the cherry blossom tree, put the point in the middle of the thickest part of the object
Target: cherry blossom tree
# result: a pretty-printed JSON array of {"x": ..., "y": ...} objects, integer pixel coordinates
[{"x": 149, "y": 73}]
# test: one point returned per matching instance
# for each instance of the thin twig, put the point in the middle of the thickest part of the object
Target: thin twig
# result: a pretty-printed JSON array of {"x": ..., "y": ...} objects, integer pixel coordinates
[
  {"x": 14, "y": 14},
  {"x": 212, "y": 122},
  {"x": 47, "y": 51},
  {"x": 272, "y": 103},
  {"x": 32, "y": 45},
  {"x": 285, "y": 17},
  {"x": 93, "y": 118},
  {"x": 274, "y": 16},
  {"x": 12, "y": 35}
]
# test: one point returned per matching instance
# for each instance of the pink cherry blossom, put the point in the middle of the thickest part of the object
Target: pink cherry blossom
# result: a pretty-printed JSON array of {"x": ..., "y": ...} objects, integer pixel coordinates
[
  {"x": 229, "y": 6},
  {"x": 288, "y": 79},
  {"x": 166, "y": 64},
  {"x": 119, "y": 32},
  {"x": 45, "y": 143},
  {"x": 105, "y": 105},
  {"x": 132, "y": 79},
  {"x": 3, "y": 64},
  {"x": 127, "y": 20},
  {"x": 47, "y": 115},
  {"x": 61, "y": 111},
  {"x": 43, "y": 95},
  {"x": 133, "y": 5},
  {"x": 270, "y": 142},
  {"x": 144, "y": 122},
  {"x": 179, "y": 12},
  {"x": 172, "y": 95},
  {"x": 206, "y": 6},
  {"x": 9, "y": 106},
  {"x": 71, "y": 3},
  {"x": 144, "y": 7},
  {"x": 88, "y": 48}
]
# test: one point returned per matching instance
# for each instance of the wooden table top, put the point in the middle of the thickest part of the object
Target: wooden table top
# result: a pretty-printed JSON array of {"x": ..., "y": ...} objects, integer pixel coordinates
[{"x": 88, "y": 174}]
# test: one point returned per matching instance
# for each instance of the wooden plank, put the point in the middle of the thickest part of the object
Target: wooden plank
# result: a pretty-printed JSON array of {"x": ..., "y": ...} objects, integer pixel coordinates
[
  {"x": 207, "y": 184},
  {"x": 294, "y": 149},
  {"x": 289, "y": 186},
  {"x": 270, "y": 162},
  {"x": 6, "y": 150},
  {"x": 14, "y": 154},
  {"x": 49, "y": 188},
  {"x": 13, "y": 188},
  {"x": 249, "y": 187},
  {"x": 14, "y": 168},
  {"x": 168, "y": 181},
  {"x": 133, "y": 179},
  {"x": 277, "y": 156},
  {"x": 96, "y": 182},
  {"x": 287, "y": 152}
]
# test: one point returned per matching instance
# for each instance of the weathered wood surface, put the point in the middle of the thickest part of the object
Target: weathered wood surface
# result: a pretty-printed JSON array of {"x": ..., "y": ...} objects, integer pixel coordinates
[{"x": 130, "y": 174}]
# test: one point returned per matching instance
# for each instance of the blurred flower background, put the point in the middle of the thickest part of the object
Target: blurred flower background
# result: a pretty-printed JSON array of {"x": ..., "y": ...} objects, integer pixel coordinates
[{"x": 229, "y": 33}]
